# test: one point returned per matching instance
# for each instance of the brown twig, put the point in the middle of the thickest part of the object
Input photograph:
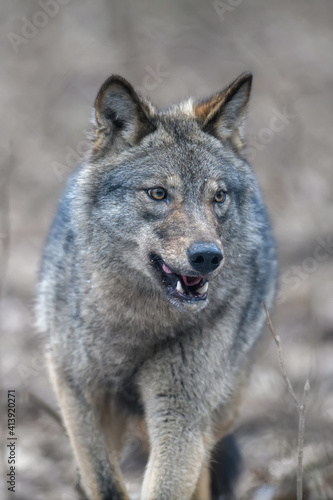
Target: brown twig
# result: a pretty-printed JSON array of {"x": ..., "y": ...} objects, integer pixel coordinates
[
  {"x": 299, "y": 405},
  {"x": 301, "y": 430},
  {"x": 281, "y": 361},
  {"x": 40, "y": 403}
]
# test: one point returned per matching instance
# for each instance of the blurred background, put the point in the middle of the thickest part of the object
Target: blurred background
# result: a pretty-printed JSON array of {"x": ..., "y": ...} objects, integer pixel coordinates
[{"x": 54, "y": 56}]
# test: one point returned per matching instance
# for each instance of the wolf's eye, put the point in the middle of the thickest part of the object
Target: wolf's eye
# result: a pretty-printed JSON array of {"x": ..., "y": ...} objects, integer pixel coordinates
[
  {"x": 157, "y": 193},
  {"x": 220, "y": 197}
]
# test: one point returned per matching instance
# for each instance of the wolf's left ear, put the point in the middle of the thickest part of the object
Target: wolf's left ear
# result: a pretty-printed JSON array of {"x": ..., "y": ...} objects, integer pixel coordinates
[
  {"x": 224, "y": 114},
  {"x": 121, "y": 118}
]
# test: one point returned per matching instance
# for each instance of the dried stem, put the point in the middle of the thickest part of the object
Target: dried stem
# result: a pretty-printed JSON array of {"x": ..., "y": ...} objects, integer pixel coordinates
[
  {"x": 301, "y": 429},
  {"x": 300, "y": 407},
  {"x": 281, "y": 360},
  {"x": 40, "y": 403}
]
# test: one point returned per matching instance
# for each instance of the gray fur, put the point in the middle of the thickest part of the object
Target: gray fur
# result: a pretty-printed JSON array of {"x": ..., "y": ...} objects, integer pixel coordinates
[{"x": 113, "y": 333}]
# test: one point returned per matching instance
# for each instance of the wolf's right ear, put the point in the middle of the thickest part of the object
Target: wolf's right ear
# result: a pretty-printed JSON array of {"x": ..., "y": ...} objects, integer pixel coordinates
[
  {"x": 120, "y": 115},
  {"x": 223, "y": 115}
]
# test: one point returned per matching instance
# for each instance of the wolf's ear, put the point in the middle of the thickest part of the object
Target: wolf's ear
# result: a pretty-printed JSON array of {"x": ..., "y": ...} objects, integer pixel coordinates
[
  {"x": 224, "y": 114},
  {"x": 120, "y": 116}
]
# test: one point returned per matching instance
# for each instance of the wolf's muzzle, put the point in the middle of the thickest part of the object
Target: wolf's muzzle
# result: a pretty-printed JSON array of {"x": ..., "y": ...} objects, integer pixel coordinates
[{"x": 204, "y": 257}]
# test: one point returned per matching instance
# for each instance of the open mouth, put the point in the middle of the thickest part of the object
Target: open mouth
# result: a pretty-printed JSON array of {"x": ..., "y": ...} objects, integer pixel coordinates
[{"x": 180, "y": 286}]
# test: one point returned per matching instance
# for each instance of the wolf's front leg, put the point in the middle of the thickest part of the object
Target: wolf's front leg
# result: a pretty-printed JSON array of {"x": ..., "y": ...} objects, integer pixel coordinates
[
  {"x": 175, "y": 463},
  {"x": 179, "y": 446},
  {"x": 84, "y": 415}
]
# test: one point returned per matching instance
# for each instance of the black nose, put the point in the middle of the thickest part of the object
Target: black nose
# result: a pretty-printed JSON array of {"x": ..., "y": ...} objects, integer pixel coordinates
[{"x": 204, "y": 257}]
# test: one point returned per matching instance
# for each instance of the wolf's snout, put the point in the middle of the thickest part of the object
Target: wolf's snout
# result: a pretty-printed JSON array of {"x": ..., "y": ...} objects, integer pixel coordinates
[{"x": 204, "y": 257}]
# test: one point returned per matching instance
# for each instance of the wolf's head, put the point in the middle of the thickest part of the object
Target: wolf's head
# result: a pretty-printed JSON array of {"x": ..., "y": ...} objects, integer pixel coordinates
[{"x": 172, "y": 202}]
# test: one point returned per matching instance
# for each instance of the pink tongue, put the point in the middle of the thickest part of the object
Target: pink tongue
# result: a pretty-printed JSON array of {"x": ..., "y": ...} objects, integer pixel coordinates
[
  {"x": 188, "y": 280},
  {"x": 166, "y": 269},
  {"x": 191, "y": 280}
]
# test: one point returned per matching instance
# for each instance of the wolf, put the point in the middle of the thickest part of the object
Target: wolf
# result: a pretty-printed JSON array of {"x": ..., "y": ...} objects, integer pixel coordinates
[{"x": 151, "y": 288}]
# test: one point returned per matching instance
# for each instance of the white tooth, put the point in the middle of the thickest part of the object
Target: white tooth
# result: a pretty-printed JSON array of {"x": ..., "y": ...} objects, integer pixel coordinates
[
  {"x": 179, "y": 287},
  {"x": 203, "y": 289}
]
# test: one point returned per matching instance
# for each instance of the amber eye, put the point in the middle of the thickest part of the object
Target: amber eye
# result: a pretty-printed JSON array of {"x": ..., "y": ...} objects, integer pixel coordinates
[
  {"x": 157, "y": 193},
  {"x": 220, "y": 197}
]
